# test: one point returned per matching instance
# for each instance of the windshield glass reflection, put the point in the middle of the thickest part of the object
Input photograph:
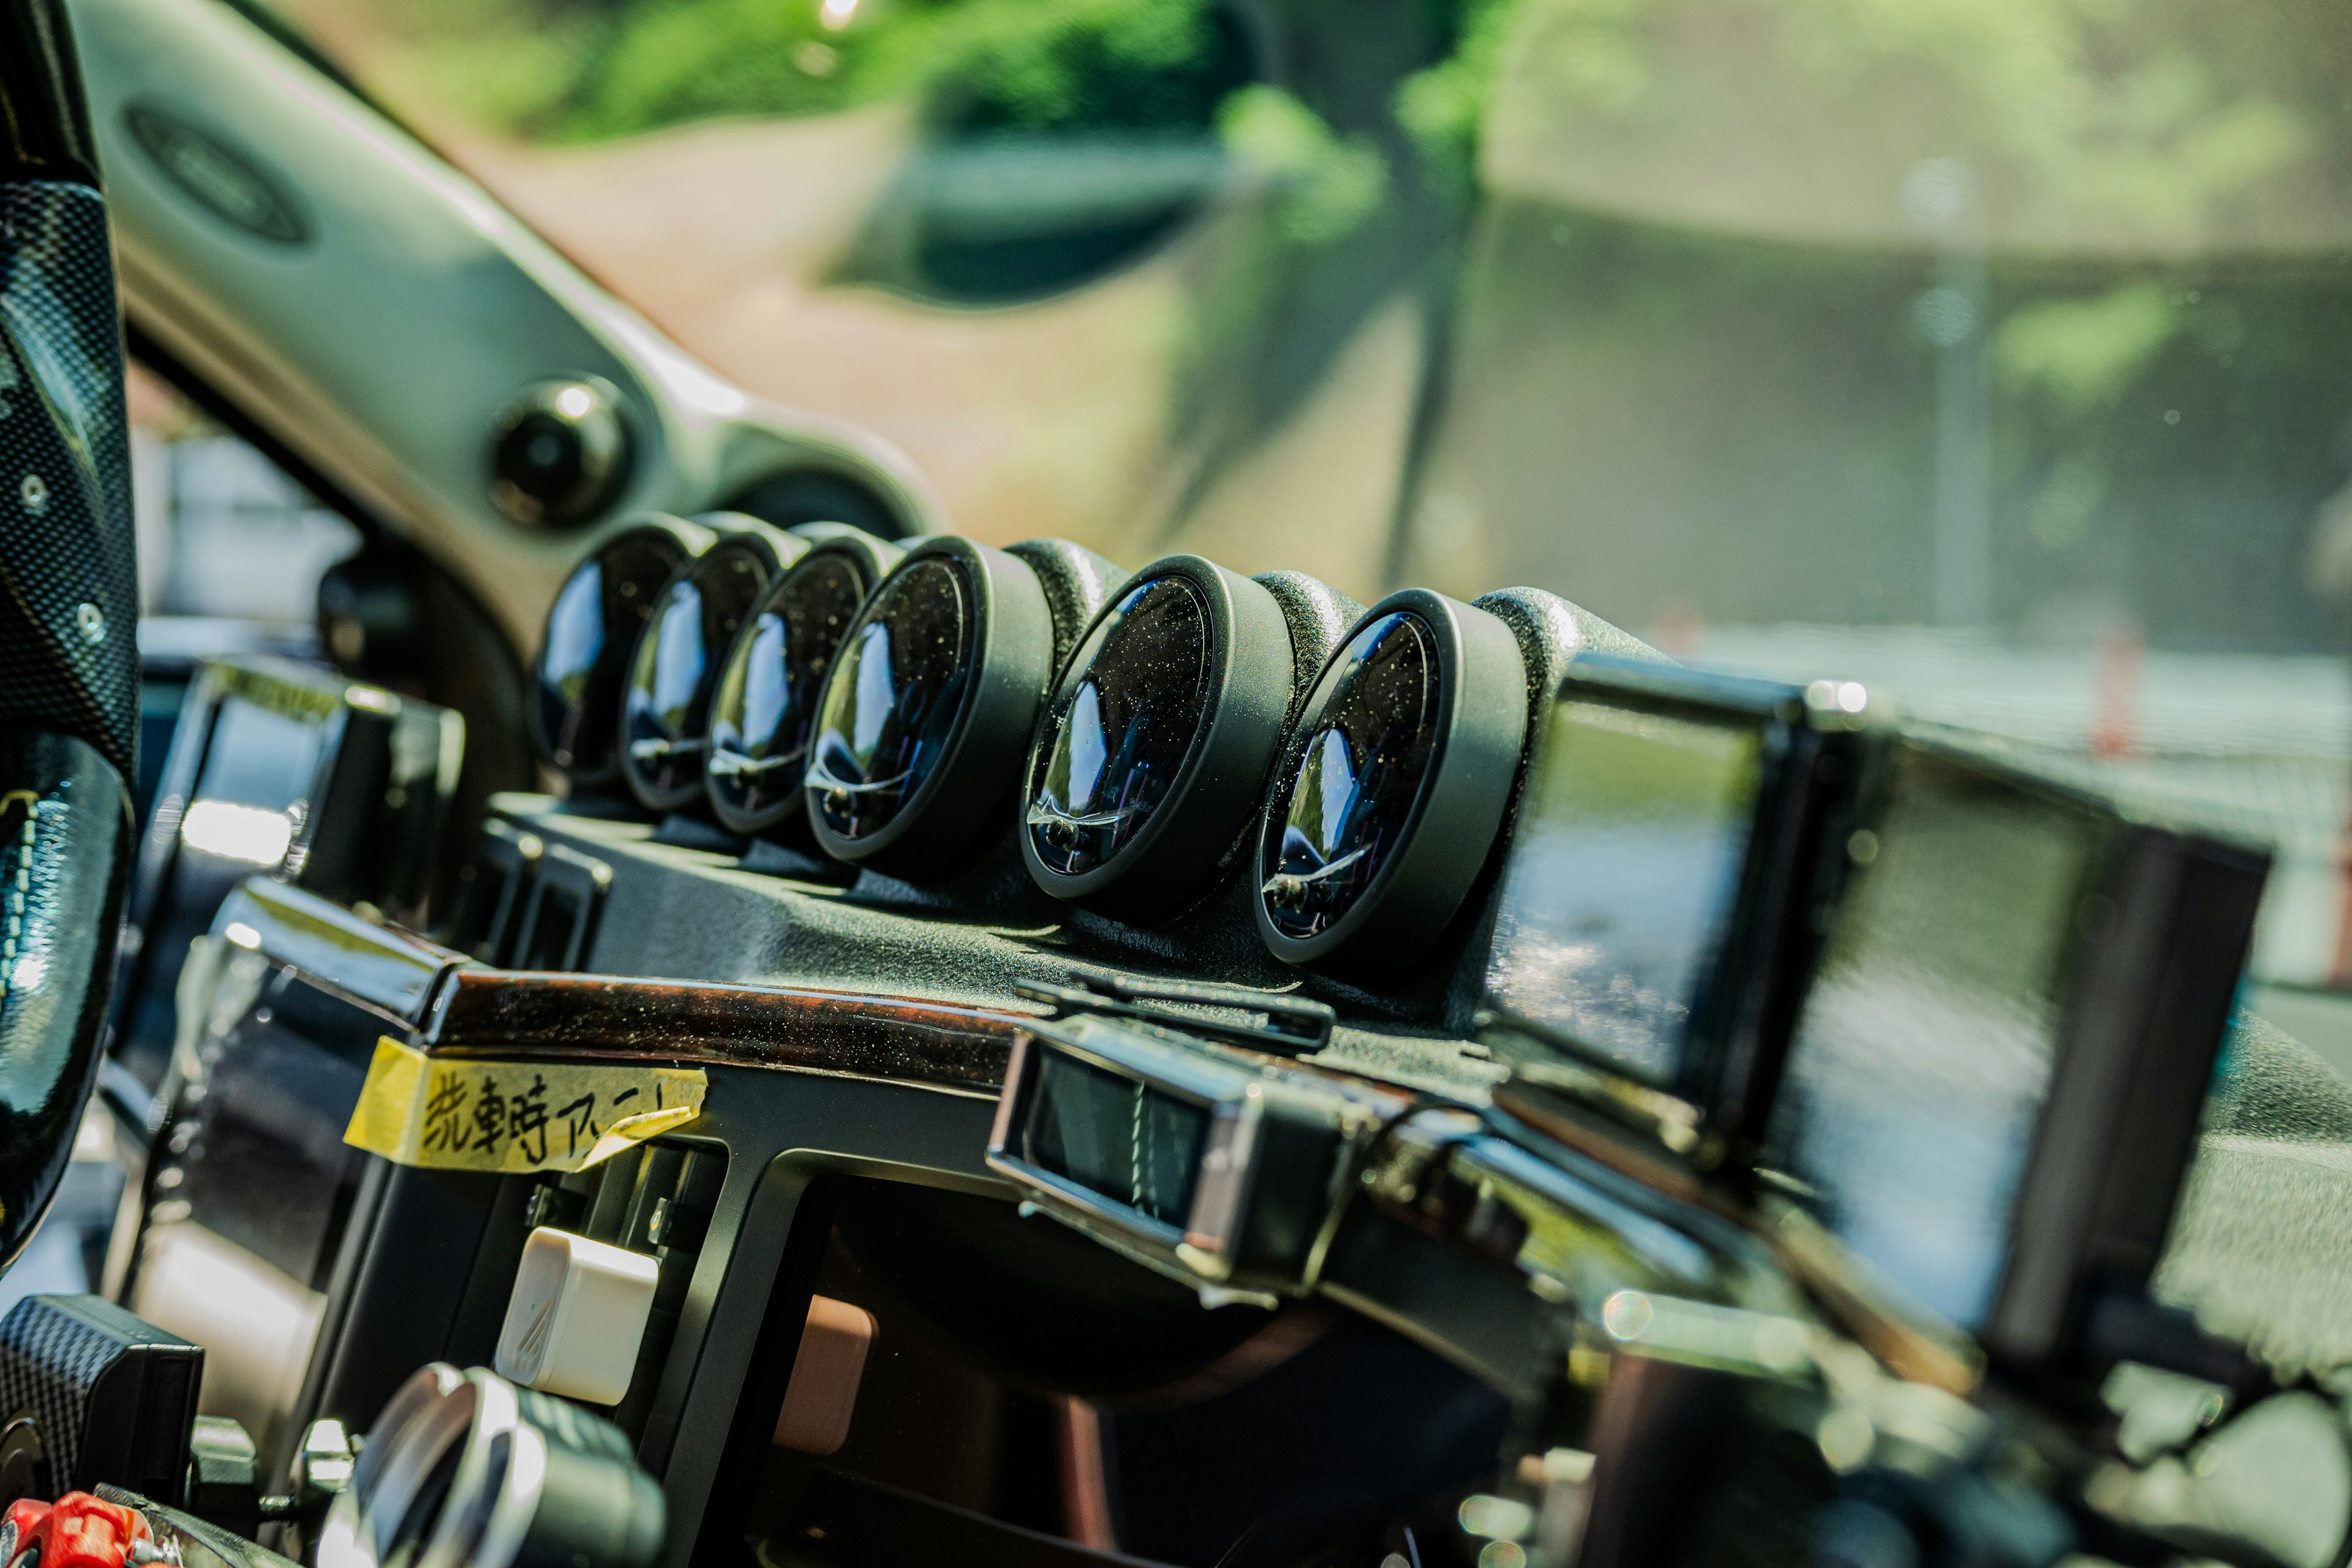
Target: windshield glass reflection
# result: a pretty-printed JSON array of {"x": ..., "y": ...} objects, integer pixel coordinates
[{"x": 1990, "y": 354}]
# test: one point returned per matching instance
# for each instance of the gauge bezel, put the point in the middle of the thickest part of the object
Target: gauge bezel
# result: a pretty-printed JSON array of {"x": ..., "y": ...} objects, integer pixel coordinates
[
  {"x": 876, "y": 559},
  {"x": 679, "y": 542},
  {"x": 1012, "y": 654},
  {"x": 1480, "y": 738},
  {"x": 772, "y": 552},
  {"x": 1223, "y": 778}
]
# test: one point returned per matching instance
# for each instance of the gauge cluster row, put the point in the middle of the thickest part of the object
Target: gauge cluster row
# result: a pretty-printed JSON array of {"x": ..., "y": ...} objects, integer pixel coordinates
[{"x": 1145, "y": 735}]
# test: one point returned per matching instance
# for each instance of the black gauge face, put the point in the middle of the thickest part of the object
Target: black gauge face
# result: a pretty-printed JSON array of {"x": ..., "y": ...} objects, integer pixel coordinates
[
  {"x": 589, "y": 632},
  {"x": 1372, "y": 729},
  {"x": 1121, "y": 735},
  {"x": 891, "y": 702},
  {"x": 764, "y": 711},
  {"x": 664, "y": 707}
]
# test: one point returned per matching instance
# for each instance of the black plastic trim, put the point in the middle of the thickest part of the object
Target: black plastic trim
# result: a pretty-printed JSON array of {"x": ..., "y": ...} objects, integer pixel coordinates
[{"x": 44, "y": 116}]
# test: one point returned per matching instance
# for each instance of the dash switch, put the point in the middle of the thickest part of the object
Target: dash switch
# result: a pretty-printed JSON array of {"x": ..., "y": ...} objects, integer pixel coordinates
[{"x": 576, "y": 1316}]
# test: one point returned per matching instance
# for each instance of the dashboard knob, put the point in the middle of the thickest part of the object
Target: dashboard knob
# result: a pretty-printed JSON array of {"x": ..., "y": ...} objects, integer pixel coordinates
[{"x": 559, "y": 451}]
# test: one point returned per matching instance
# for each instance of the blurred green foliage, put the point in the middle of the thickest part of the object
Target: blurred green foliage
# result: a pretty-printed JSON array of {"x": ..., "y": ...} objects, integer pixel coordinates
[
  {"x": 569, "y": 70},
  {"x": 2082, "y": 353},
  {"x": 1327, "y": 186}
]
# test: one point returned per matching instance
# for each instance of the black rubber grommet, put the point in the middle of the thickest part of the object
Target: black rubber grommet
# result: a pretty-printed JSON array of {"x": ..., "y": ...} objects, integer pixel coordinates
[
  {"x": 1394, "y": 784},
  {"x": 684, "y": 644},
  {"x": 1156, "y": 745},
  {"x": 583, "y": 655},
  {"x": 763, "y": 710},
  {"x": 928, "y": 709}
]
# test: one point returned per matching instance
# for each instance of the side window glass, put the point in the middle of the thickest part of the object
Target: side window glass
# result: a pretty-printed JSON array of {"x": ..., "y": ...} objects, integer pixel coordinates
[
  {"x": 231, "y": 549},
  {"x": 224, "y": 532}
]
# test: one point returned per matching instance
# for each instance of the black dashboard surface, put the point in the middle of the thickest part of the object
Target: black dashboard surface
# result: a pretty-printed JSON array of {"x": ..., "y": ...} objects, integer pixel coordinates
[{"x": 693, "y": 913}]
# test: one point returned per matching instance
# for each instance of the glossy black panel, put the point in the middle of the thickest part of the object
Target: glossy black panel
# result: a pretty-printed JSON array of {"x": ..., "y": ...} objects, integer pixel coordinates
[
  {"x": 666, "y": 705},
  {"x": 64, "y": 864},
  {"x": 1122, "y": 733},
  {"x": 576, "y": 685},
  {"x": 44, "y": 119},
  {"x": 1371, "y": 725},
  {"x": 765, "y": 713},
  {"x": 891, "y": 704},
  {"x": 67, "y": 598}
]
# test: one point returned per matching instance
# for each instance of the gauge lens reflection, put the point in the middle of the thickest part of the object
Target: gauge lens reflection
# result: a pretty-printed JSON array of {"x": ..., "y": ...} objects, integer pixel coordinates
[
  {"x": 1122, "y": 733},
  {"x": 891, "y": 702},
  {"x": 567, "y": 666},
  {"x": 577, "y": 681},
  {"x": 765, "y": 709},
  {"x": 665, "y": 708},
  {"x": 1345, "y": 808}
]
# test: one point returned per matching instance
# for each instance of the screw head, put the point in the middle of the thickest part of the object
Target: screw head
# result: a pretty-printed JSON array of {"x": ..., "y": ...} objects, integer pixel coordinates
[
  {"x": 34, "y": 491},
  {"x": 92, "y": 622}
]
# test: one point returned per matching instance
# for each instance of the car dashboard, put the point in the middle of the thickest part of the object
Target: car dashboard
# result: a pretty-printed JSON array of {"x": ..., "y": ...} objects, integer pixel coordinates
[{"x": 1184, "y": 1069}]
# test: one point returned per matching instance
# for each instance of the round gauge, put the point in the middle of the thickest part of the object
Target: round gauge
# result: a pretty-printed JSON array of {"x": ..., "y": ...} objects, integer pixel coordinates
[
  {"x": 763, "y": 711},
  {"x": 928, "y": 707},
  {"x": 1395, "y": 782},
  {"x": 666, "y": 700},
  {"x": 585, "y": 654},
  {"x": 1158, "y": 740}
]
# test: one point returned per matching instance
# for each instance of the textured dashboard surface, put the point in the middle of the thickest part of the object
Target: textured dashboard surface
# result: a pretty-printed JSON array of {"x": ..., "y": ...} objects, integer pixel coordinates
[
  {"x": 2262, "y": 1243},
  {"x": 2260, "y": 1249},
  {"x": 692, "y": 914}
]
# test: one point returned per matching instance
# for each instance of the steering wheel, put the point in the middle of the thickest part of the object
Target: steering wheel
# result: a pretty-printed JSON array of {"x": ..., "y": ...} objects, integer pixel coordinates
[{"x": 68, "y": 614}]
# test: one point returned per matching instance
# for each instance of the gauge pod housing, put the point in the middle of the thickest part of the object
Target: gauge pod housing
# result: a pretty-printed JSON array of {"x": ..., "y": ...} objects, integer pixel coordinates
[
  {"x": 1156, "y": 745},
  {"x": 1395, "y": 782},
  {"x": 583, "y": 656},
  {"x": 763, "y": 710},
  {"x": 666, "y": 698},
  {"x": 928, "y": 708}
]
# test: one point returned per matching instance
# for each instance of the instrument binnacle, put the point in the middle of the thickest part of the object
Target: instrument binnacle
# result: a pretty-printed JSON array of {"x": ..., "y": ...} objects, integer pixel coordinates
[{"x": 1034, "y": 736}]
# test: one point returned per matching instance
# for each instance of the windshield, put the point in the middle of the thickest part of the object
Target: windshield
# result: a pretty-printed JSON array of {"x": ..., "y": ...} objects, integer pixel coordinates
[{"x": 1993, "y": 349}]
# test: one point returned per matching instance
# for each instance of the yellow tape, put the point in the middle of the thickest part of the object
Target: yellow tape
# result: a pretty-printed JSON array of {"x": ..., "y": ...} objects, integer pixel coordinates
[{"x": 513, "y": 1116}]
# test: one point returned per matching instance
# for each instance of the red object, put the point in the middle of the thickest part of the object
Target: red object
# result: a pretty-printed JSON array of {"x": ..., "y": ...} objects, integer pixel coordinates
[
  {"x": 18, "y": 1526},
  {"x": 2114, "y": 729},
  {"x": 78, "y": 1531}
]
